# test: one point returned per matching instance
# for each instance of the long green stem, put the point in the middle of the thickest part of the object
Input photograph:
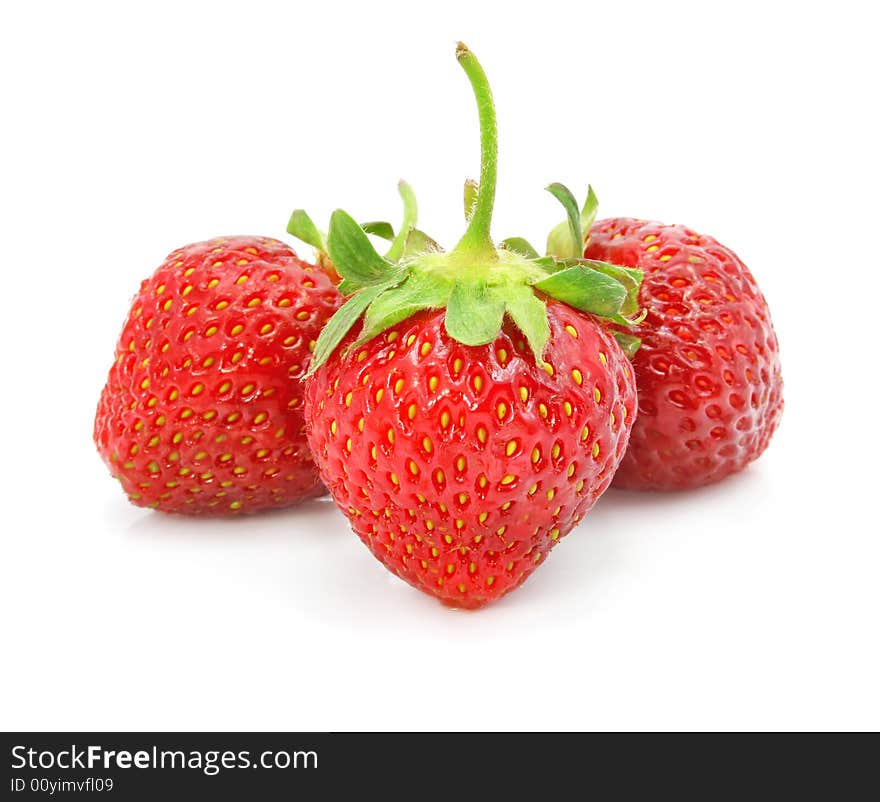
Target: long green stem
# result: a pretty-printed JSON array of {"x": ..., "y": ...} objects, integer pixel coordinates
[
  {"x": 477, "y": 240},
  {"x": 410, "y": 216}
]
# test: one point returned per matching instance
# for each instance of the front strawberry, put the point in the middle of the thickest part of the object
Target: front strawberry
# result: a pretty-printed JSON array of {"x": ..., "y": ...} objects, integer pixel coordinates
[
  {"x": 202, "y": 409},
  {"x": 470, "y": 423}
]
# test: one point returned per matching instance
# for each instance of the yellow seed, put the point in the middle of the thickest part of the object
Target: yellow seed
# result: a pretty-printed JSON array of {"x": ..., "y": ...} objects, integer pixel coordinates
[
  {"x": 213, "y": 283},
  {"x": 653, "y": 248},
  {"x": 461, "y": 464},
  {"x": 462, "y": 498},
  {"x": 285, "y": 302},
  {"x": 425, "y": 349},
  {"x": 567, "y": 407},
  {"x": 578, "y": 377},
  {"x": 439, "y": 476},
  {"x": 413, "y": 468},
  {"x": 456, "y": 366},
  {"x": 501, "y": 410},
  {"x": 597, "y": 394},
  {"x": 502, "y": 355},
  {"x": 427, "y": 445},
  {"x": 482, "y": 434},
  {"x": 390, "y": 435},
  {"x": 595, "y": 450},
  {"x": 379, "y": 393},
  {"x": 542, "y": 410},
  {"x": 210, "y": 331},
  {"x": 394, "y": 479},
  {"x": 247, "y": 389},
  {"x": 571, "y": 470},
  {"x": 260, "y": 417},
  {"x": 523, "y": 394},
  {"x": 511, "y": 447},
  {"x": 360, "y": 424},
  {"x": 482, "y": 481},
  {"x": 411, "y": 339},
  {"x": 585, "y": 433},
  {"x": 490, "y": 580},
  {"x": 333, "y": 427},
  {"x": 478, "y": 383},
  {"x": 551, "y": 493},
  {"x": 398, "y": 386},
  {"x": 554, "y": 534},
  {"x": 391, "y": 336},
  {"x": 433, "y": 383},
  {"x": 603, "y": 358},
  {"x": 508, "y": 479},
  {"x": 266, "y": 328},
  {"x": 548, "y": 368},
  {"x": 411, "y": 411},
  {"x": 444, "y": 419},
  {"x": 572, "y": 331},
  {"x": 554, "y": 452}
]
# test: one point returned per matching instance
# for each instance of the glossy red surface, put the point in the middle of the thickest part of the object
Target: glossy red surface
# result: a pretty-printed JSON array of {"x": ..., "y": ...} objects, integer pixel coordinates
[
  {"x": 202, "y": 410},
  {"x": 708, "y": 372},
  {"x": 461, "y": 467}
]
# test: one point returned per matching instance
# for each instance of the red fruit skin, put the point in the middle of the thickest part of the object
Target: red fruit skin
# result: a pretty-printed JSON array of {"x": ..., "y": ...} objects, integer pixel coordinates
[
  {"x": 708, "y": 373},
  {"x": 202, "y": 409},
  {"x": 411, "y": 434}
]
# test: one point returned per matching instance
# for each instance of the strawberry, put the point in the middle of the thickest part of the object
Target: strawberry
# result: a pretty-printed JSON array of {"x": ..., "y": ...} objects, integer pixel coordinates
[
  {"x": 480, "y": 409},
  {"x": 202, "y": 410},
  {"x": 710, "y": 387}
]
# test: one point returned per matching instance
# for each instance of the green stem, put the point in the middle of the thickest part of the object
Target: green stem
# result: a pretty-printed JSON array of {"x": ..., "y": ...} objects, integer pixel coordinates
[
  {"x": 477, "y": 240},
  {"x": 410, "y": 215}
]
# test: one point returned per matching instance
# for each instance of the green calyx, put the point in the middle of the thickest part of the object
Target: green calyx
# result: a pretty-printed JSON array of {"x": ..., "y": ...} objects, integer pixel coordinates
[{"x": 478, "y": 283}]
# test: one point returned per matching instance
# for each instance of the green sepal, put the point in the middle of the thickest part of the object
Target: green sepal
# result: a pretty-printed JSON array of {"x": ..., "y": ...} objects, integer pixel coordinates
[
  {"x": 379, "y": 228},
  {"x": 628, "y": 343},
  {"x": 301, "y": 226},
  {"x": 418, "y": 241},
  {"x": 529, "y": 314},
  {"x": 353, "y": 255},
  {"x": 471, "y": 193},
  {"x": 398, "y": 303},
  {"x": 474, "y": 314},
  {"x": 629, "y": 277},
  {"x": 567, "y": 240},
  {"x": 573, "y": 246},
  {"x": 588, "y": 290},
  {"x": 345, "y": 317},
  {"x": 521, "y": 246}
]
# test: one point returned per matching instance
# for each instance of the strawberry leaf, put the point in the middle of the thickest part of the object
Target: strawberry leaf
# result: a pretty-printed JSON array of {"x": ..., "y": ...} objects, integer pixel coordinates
[
  {"x": 587, "y": 290},
  {"x": 474, "y": 314},
  {"x": 520, "y": 246},
  {"x": 628, "y": 343},
  {"x": 566, "y": 241},
  {"x": 408, "y": 298},
  {"x": 419, "y": 242},
  {"x": 630, "y": 278},
  {"x": 301, "y": 226},
  {"x": 574, "y": 247},
  {"x": 352, "y": 254},
  {"x": 340, "y": 324},
  {"x": 529, "y": 314},
  {"x": 379, "y": 228}
]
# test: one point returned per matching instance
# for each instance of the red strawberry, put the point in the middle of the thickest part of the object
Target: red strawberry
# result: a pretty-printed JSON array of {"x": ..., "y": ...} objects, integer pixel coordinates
[
  {"x": 710, "y": 387},
  {"x": 202, "y": 410},
  {"x": 470, "y": 424},
  {"x": 459, "y": 466}
]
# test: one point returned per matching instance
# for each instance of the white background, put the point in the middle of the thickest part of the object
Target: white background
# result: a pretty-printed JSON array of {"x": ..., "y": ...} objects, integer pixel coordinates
[{"x": 128, "y": 130}]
